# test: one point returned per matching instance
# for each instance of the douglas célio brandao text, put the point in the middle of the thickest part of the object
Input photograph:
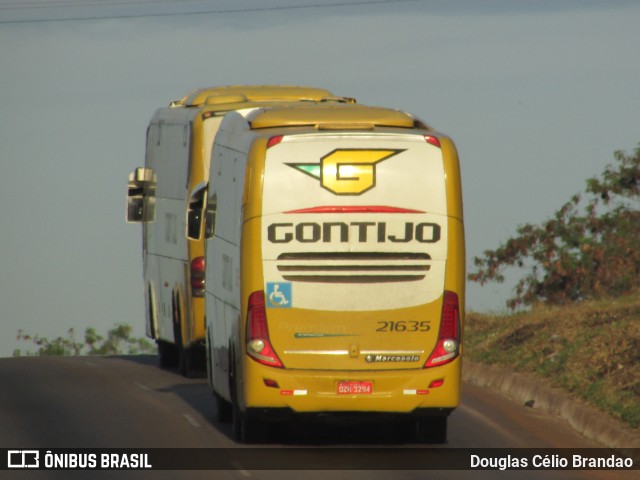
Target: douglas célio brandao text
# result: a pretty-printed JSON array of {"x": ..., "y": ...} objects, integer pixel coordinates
[{"x": 550, "y": 462}]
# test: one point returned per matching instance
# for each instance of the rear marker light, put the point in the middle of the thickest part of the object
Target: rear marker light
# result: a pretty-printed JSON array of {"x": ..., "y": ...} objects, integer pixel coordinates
[
  {"x": 273, "y": 141},
  {"x": 432, "y": 140},
  {"x": 271, "y": 383},
  {"x": 436, "y": 383},
  {"x": 258, "y": 345}
]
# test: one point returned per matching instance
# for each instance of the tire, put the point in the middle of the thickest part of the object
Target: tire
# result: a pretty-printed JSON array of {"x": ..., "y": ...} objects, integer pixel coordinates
[
  {"x": 184, "y": 356},
  {"x": 184, "y": 361},
  {"x": 168, "y": 354},
  {"x": 190, "y": 359},
  {"x": 224, "y": 410},
  {"x": 245, "y": 427},
  {"x": 207, "y": 361},
  {"x": 191, "y": 362},
  {"x": 431, "y": 429}
]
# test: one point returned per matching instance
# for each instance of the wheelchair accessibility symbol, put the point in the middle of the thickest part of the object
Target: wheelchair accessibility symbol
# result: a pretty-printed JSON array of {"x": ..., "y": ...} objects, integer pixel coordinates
[{"x": 279, "y": 295}]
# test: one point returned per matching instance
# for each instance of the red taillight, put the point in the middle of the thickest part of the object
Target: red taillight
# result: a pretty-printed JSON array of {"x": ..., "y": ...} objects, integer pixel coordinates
[
  {"x": 258, "y": 344},
  {"x": 432, "y": 140},
  {"x": 448, "y": 346},
  {"x": 273, "y": 141},
  {"x": 450, "y": 316},
  {"x": 198, "y": 277}
]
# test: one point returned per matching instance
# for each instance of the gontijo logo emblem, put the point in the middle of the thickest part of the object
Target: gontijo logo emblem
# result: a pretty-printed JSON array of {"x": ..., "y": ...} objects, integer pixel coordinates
[{"x": 347, "y": 171}]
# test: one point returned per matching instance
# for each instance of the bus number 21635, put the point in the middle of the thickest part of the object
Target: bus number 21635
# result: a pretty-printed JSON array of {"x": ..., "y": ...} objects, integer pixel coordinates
[{"x": 403, "y": 326}]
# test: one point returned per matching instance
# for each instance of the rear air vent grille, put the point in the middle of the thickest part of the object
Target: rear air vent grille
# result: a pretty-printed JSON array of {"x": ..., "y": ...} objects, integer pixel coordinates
[{"x": 353, "y": 267}]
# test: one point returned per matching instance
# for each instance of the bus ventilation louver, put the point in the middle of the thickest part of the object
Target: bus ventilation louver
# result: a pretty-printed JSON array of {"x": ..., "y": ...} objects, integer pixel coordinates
[{"x": 353, "y": 267}]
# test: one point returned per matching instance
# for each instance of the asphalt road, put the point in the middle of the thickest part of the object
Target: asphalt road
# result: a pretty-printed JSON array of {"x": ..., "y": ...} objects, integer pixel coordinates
[{"x": 128, "y": 402}]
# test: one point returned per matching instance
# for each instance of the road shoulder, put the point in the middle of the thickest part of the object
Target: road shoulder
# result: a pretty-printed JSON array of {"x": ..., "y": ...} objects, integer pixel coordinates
[{"x": 531, "y": 392}]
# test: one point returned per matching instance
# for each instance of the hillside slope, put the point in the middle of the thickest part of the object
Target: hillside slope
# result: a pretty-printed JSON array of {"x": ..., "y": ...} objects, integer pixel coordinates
[{"x": 590, "y": 349}]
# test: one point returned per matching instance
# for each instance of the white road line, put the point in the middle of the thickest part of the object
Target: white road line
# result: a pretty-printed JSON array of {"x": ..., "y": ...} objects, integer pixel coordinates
[
  {"x": 191, "y": 420},
  {"x": 240, "y": 469},
  {"x": 143, "y": 387}
]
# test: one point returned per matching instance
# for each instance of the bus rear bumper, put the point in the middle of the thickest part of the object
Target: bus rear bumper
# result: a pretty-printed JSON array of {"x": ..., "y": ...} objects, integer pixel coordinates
[{"x": 432, "y": 391}]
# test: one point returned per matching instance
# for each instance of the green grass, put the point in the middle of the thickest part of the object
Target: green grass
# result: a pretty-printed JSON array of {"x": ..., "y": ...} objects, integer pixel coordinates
[{"x": 591, "y": 349}]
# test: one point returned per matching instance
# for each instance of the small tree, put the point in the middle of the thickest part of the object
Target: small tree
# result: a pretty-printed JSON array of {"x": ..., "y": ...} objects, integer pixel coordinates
[
  {"x": 117, "y": 342},
  {"x": 578, "y": 253}
]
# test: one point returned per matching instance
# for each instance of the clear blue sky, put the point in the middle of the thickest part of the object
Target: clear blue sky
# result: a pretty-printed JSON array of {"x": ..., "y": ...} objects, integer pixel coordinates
[{"x": 537, "y": 95}]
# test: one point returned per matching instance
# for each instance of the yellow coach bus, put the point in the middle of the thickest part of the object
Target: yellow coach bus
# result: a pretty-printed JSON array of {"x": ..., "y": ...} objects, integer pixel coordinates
[
  {"x": 166, "y": 196},
  {"x": 335, "y": 268}
]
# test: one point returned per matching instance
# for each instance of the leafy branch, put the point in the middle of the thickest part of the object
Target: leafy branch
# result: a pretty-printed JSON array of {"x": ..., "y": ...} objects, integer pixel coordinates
[{"x": 579, "y": 252}]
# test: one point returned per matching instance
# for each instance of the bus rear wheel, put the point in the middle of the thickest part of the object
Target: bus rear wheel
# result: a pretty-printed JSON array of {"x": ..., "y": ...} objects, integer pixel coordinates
[
  {"x": 431, "y": 429},
  {"x": 246, "y": 428},
  {"x": 168, "y": 354},
  {"x": 224, "y": 409}
]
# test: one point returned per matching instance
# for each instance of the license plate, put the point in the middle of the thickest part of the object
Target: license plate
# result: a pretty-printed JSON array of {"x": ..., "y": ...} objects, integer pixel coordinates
[{"x": 355, "y": 388}]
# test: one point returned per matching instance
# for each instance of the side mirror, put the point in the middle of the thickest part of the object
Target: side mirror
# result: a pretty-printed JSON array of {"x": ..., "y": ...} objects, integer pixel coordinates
[{"x": 141, "y": 196}]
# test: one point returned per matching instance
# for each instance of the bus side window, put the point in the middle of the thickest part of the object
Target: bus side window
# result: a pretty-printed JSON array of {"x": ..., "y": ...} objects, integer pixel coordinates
[
  {"x": 141, "y": 196},
  {"x": 210, "y": 216},
  {"x": 194, "y": 214}
]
